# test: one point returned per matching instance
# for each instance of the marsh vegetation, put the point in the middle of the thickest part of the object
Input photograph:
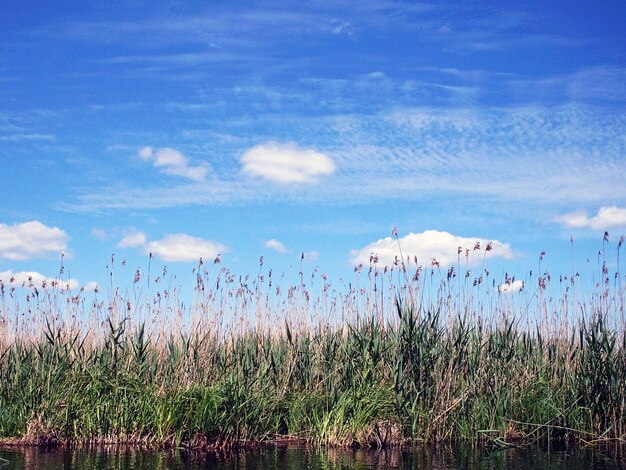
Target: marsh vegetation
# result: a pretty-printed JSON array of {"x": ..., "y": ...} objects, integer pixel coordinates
[{"x": 403, "y": 354}]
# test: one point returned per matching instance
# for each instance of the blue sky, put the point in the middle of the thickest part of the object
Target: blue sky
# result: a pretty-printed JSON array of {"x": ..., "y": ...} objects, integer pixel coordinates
[{"x": 250, "y": 129}]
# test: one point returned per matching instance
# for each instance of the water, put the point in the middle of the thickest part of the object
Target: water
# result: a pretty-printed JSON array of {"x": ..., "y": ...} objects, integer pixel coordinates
[{"x": 303, "y": 458}]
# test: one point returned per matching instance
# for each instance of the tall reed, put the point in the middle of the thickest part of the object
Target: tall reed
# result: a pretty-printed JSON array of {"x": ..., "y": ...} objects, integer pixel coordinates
[{"x": 414, "y": 356}]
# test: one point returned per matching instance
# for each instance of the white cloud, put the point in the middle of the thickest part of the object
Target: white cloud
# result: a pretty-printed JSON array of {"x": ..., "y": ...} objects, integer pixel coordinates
[
  {"x": 530, "y": 155},
  {"x": 426, "y": 246},
  {"x": 182, "y": 247},
  {"x": 341, "y": 28},
  {"x": 99, "y": 233},
  {"x": 132, "y": 240},
  {"x": 574, "y": 219},
  {"x": 605, "y": 218},
  {"x": 172, "y": 162},
  {"x": 23, "y": 137},
  {"x": 286, "y": 163},
  {"x": 276, "y": 246},
  {"x": 174, "y": 247},
  {"x": 311, "y": 256},
  {"x": 512, "y": 287},
  {"x": 91, "y": 286},
  {"x": 596, "y": 83},
  {"x": 29, "y": 279},
  {"x": 30, "y": 240}
]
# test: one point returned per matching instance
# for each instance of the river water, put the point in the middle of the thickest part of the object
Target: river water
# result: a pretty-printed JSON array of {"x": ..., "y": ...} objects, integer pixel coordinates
[{"x": 303, "y": 458}]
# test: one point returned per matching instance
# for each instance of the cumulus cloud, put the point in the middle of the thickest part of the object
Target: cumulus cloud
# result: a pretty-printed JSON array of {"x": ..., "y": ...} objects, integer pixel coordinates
[
  {"x": 286, "y": 163},
  {"x": 276, "y": 245},
  {"x": 605, "y": 218},
  {"x": 512, "y": 287},
  {"x": 30, "y": 240},
  {"x": 132, "y": 240},
  {"x": 576, "y": 219},
  {"x": 91, "y": 286},
  {"x": 182, "y": 247},
  {"x": 171, "y": 162},
  {"x": 174, "y": 247},
  {"x": 29, "y": 279},
  {"x": 426, "y": 246}
]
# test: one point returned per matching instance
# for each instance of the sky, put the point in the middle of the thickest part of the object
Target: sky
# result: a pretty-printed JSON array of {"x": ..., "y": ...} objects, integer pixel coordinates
[{"x": 304, "y": 132}]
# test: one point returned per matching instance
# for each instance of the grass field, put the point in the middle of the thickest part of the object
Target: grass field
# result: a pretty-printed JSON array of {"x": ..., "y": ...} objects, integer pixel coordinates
[{"x": 402, "y": 354}]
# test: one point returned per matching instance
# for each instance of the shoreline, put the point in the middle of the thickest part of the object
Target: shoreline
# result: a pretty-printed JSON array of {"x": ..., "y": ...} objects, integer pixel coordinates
[{"x": 203, "y": 444}]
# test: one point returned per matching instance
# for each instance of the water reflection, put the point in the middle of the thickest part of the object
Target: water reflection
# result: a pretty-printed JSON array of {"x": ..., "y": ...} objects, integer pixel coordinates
[{"x": 303, "y": 458}]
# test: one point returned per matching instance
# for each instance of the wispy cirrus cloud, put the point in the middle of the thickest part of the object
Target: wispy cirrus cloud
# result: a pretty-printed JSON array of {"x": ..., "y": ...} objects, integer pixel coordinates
[
  {"x": 568, "y": 155},
  {"x": 597, "y": 84},
  {"x": 464, "y": 27},
  {"x": 26, "y": 137},
  {"x": 236, "y": 28},
  {"x": 30, "y": 240},
  {"x": 428, "y": 246},
  {"x": 172, "y": 162},
  {"x": 99, "y": 233},
  {"x": 605, "y": 218}
]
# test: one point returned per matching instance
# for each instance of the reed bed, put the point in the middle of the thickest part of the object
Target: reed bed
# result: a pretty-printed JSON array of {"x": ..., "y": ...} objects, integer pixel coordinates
[{"x": 400, "y": 355}]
